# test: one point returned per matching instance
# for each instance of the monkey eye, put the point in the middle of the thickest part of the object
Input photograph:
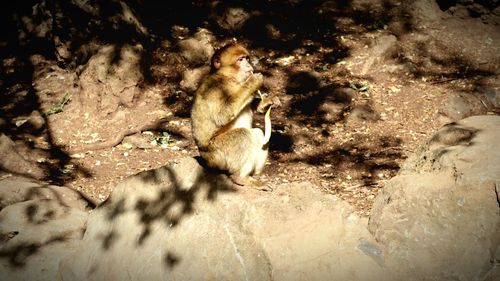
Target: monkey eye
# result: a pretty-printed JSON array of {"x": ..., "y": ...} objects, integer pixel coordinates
[{"x": 240, "y": 59}]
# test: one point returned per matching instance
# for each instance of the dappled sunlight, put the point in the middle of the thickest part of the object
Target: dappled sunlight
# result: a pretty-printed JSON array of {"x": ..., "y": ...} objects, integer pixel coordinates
[{"x": 118, "y": 80}]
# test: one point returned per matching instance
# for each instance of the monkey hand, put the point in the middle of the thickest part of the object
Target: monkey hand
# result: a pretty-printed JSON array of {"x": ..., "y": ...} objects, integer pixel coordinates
[
  {"x": 266, "y": 102},
  {"x": 258, "y": 76},
  {"x": 255, "y": 81}
]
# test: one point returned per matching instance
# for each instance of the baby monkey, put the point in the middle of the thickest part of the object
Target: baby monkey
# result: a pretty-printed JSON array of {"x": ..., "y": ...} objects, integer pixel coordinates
[{"x": 222, "y": 114}]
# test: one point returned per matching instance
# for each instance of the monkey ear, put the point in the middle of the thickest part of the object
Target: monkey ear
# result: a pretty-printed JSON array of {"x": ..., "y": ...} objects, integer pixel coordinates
[{"x": 216, "y": 63}]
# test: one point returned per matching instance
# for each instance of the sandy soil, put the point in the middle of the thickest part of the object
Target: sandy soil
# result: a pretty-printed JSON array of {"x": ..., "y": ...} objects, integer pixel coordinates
[{"x": 354, "y": 104}]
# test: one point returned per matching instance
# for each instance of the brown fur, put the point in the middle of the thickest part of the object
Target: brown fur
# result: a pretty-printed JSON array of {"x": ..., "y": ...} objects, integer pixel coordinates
[
  {"x": 222, "y": 118},
  {"x": 228, "y": 55}
]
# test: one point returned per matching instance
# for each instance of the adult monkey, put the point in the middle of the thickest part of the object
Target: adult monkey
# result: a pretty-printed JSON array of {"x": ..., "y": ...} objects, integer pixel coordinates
[{"x": 221, "y": 117}]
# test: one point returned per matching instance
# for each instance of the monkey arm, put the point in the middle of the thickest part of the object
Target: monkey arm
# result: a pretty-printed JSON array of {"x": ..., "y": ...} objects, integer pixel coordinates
[{"x": 245, "y": 94}]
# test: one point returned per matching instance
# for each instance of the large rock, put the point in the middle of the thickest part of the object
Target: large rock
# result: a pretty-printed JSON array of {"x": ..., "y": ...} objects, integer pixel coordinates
[
  {"x": 39, "y": 226},
  {"x": 13, "y": 161},
  {"x": 423, "y": 11},
  {"x": 182, "y": 223},
  {"x": 17, "y": 189},
  {"x": 382, "y": 47},
  {"x": 440, "y": 218},
  {"x": 111, "y": 78},
  {"x": 198, "y": 49},
  {"x": 461, "y": 106}
]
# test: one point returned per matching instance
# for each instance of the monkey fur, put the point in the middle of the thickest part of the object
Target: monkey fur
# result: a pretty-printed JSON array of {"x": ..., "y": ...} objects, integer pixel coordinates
[{"x": 222, "y": 116}]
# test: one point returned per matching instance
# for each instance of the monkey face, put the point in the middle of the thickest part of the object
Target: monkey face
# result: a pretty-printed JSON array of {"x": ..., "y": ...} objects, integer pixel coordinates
[
  {"x": 232, "y": 61},
  {"x": 245, "y": 69}
]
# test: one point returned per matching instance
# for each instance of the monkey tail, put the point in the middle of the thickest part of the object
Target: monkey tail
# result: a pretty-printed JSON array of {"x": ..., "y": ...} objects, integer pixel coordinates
[{"x": 267, "y": 127}]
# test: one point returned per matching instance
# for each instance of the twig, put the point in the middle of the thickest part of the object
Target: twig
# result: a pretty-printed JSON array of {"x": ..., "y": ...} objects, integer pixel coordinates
[
  {"x": 117, "y": 139},
  {"x": 442, "y": 81},
  {"x": 361, "y": 185}
]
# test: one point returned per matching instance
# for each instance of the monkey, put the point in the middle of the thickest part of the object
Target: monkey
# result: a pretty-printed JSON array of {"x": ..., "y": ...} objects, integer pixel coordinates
[{"x": 222, "y": 115}]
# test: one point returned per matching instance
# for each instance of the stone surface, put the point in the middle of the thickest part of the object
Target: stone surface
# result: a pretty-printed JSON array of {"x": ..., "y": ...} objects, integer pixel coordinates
[
  {"x": 39, "y": 226},
  {"x": 13, "y": 161},
  {"x": 229, "y": 18},
  {"x": 137, "y": 141},
  {"x": 440, "y": 218},
  {"x": 424, "y": 11},
  {"x": 180, "y": 223},
  {"x": 492, "y": 96},
  {"x": 191, "y": 78},
  {"x": 118, "y": 71},
  {"x": 17, "y": 189},
  {"x": 381, "y": 48},
  {"x": 198, "y": 49},
  {"x": 461, "y": 106}
]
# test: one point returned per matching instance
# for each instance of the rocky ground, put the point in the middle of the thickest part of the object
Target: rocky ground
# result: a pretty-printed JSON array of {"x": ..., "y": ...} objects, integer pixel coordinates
[
  {"x": 361, "y": 87},
  {"x": 357, "y": 96},
  {"x": 437, "y": 220}
]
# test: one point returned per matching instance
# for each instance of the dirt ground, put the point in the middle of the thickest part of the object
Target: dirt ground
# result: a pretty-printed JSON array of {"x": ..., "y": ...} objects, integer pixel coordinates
[{"x": 354, "y": 103}]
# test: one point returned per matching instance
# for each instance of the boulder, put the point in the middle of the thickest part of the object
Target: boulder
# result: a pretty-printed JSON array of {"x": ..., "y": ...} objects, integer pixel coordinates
[
  {"x": 111, "y": 78},
  {"x": 183, "y": 223},
  {"x": 229, "y": 18},
  {"x": 15, "y": 189},
  {"x": 460, "y": 106},
  {"x": 439, "y": 219},
  {"x": 197, "y": 49},
  {"x": 423, "y": 11},
  {"x": 192, "y": 78},
  {"x": 382, "y": 47},
  {"x": 13, "y": 161},
  {"x": 39, "y": 226}
]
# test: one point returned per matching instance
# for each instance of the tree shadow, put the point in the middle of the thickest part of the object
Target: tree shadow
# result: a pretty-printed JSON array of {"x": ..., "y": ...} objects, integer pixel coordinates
[
  {"x": 453, "y": 134},
  {"x": 15, "y": 193},
  {"x": 61, "y": 31},
  {"x": 284, "y": 27},
  {"x": 36, "y": 208},
  {"x": 444, "y": 5},
  {"x": 446, "y": 66},
  {"x": 67, "y": 32},
  {"x": 20, "y": 254},
  {"x": 20, "y": 101},
  {"x": 382, "y": 155},
  {"x": 315, "y": 104},
  {"x": 167, "y": 195}
]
